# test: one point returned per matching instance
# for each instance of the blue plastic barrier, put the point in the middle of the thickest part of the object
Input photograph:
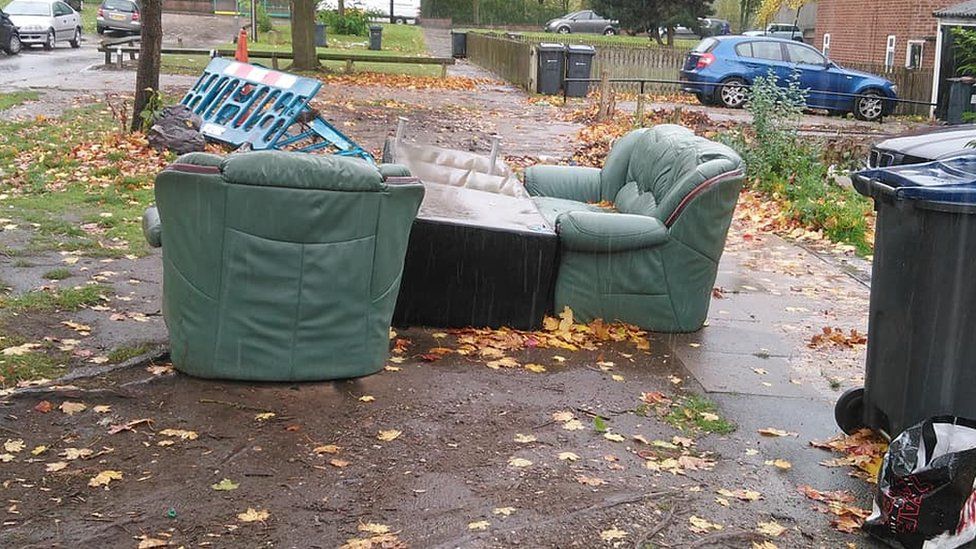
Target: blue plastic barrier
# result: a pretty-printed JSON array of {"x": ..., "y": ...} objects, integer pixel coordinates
[{"x": 243, "y": 103}]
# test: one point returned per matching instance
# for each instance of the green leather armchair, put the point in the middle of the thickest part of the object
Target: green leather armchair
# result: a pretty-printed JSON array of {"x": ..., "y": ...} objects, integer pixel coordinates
[
  {"x": 651, "y": 260},
  {"x": 281, "y": 266}
]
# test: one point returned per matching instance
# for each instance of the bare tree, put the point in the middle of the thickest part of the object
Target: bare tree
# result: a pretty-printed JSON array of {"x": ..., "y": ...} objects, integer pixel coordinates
[
  {"x": 303, "y": 35},
  {"x": 147, "y": 76}
]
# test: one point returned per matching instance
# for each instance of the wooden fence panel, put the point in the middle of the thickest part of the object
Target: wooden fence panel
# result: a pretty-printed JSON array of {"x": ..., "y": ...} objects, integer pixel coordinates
[
  {"x": 509, "y": 59},
  {"x": 913, "y": 84}
]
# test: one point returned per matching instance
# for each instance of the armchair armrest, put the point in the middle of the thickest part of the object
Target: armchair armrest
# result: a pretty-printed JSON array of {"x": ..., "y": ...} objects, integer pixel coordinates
[
  {"x": 569, "y": 182},
  {"x": 393, "y": 170},
  {"x": 604, "y": 232},
  {"x": 152, "y": 228}
]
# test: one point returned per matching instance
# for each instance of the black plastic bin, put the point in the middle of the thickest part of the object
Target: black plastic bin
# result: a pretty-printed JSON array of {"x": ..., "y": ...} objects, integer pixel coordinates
[
  {"x": 921, "y": 356},
  {"x": 320, "y": 36},
  {"x": 549, "y": 74},
  {"x": 375, "y": 37},
  {"x": 579, "y": 64},
  {"x": 459, "y": 44}
]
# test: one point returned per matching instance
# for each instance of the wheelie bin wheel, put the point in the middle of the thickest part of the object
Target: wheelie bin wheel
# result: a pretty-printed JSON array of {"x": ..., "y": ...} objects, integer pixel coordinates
[{"x": 849, "y": 410}]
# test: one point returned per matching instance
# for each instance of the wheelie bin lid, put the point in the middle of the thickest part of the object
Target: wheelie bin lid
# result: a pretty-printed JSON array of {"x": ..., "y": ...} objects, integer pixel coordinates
[
  {"x": 549, "y": 46},
  {"x": 950, "y": 180},
  {"x": 581, "y": 49}
]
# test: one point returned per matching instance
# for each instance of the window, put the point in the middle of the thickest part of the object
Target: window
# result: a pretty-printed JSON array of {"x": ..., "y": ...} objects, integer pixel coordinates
[
  {"x": 767, "y": 50},
  {"x": 890, "y": 52},
  {"x": 804, "y": 55},
  {"x": 913, "y": 57},
  {"x": 709, "y": 43},
  {"x": 744, "y": 50},
  {"x": 826, "y": 44}
]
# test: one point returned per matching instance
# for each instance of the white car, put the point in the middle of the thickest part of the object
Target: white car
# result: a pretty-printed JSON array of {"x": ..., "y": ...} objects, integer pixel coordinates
[
  {"x": 45, "y": 22},
  {"x": 404, "y": 11}
]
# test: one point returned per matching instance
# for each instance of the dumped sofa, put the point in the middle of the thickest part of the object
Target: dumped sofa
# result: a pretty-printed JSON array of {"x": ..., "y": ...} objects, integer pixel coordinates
[
  {"x": 281, "y": 266},
  {"x": 640, "y": 240}
]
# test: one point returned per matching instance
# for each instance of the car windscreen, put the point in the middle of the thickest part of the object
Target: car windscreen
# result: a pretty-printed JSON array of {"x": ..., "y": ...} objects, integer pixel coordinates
[
  {"x": 119, "y": 5},
  {"x": 19, "y": 7},
  {"x": 705, "y": 45}
]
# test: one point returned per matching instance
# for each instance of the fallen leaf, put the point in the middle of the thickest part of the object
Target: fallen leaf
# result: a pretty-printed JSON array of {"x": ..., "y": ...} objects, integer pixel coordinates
[
  {"x": 38, "y": 450},
  {"x": 104, "y": 477},
  {"x": 562, "y": 417},
  {"x": 770, "y": 432},
  {"x": 614, "y": 437},
  {"x": 6, "y": 458},
  {"x": 43, "y": 407},
  {"x": 744, "y": 495},
  {"x": 14, "y": 446},
  {"x": 568, "y": 456},
  {"x": 524, "y": 439},
  {"x": 518, "y": 462},
  {"x": 590, "y": 481},
  {"x": 225, "y": 485},
  {"x": 701, "y": 526},
  {"x": 389, "y": 435},
  {"x": 102, "y": 409},
  {"x": 506, "y": 511},
  {"x": 722, "y": 501},
  {"x": 708, "y": 416},
  {"x": 326, "y": 449},
  {"x": 535, "y": 368},
  {"x": 265, "y": 416},
  {"x": 617, "y": 377},
  {"x": 779, "y": 463},
  {"x": 72, "y": 408},
  {"x": 76, "y": 453},
  {"x": 179, "y": 433},
  {"x": 367, "y": 398},
  {"x": 504, "y": 362},
  {"x": 772, "y": 528},
  {"x": 613, "y": 534},
  {"x": 158, "y": 370},
  {"x": 20, "y": 350},
  {"x": 573, "y": 425},
  {"x": 147, "y": 542},
  {"x": 478, "y": 526},
  {"x": 374, "y": 528},
  {"x": 253, "y": 515},
  {"x": 340, "y": 463}
]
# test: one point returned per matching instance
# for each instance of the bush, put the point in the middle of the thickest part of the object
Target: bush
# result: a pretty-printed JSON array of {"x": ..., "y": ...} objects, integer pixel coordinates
[
  {"x": 264, "y": 20},
  {"x": 792, "y": 170},
  {"x": 354, "y": 22}
]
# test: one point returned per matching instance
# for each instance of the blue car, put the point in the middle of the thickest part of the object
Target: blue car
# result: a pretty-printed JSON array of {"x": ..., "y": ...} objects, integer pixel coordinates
[{"x": 720, "y": 69}]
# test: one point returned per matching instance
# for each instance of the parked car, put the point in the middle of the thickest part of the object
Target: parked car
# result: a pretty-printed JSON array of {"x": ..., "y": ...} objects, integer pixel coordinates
[
  {"x": 45, "y": 22},
  {"x": 119, "y": 15},
  {"x": 924, "y": 145},
  {"x": 680, "y": 31},
  {"x": 721, "y": 68},
  {"x": 583, "y": 21},
  {"x": 9, "y": 37},
  {"x": 404, "y": 11},
  {"x": 709, "y": 26},
  {"x": 779, "y": 30}
]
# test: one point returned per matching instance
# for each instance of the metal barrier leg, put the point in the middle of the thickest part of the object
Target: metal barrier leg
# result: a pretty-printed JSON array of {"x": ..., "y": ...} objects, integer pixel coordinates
[
  {"x": 444, "y": 71},
  {"x": 349, "y": 66}
]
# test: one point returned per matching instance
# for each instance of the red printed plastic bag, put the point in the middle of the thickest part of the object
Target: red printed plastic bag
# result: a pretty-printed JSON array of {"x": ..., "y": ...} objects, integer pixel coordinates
[{"x": 926, "y": 497}]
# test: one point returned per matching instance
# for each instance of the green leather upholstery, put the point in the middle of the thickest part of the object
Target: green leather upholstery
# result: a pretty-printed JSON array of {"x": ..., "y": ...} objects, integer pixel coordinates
[
  {"x": 653, "y": 262},
  {"x": 281, "y": 266}
]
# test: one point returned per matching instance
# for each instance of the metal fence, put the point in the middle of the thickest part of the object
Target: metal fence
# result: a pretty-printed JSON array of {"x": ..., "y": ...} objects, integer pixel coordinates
[
  {"x": 509, "y": 59},
  {"x": 913, "y": 84}
]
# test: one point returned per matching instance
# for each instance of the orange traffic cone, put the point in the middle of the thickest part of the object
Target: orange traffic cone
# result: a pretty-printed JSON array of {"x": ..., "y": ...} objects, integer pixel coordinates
[{"x": 241, "y": 53}]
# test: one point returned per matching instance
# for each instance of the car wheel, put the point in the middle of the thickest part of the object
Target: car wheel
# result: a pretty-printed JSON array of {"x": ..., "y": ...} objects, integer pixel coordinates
[
  {"x": 100, "y": 30},
  {"x": 563, "y": 30},
  {"x": 49, "y": 41},
  {"x": 610, "y": 32},
  {"x": 76, "y": 41},
  {"x": 400, "y": 21},
  {"x": 869, "y": 106},
  {"x": 13, "y": 45},
  {"x": 705, "y": 99},
  {"x": 733, "y": 93}
]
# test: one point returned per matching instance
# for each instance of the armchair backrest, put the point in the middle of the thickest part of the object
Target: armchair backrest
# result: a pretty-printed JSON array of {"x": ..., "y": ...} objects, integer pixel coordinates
[{"x": 654, "y": 171}]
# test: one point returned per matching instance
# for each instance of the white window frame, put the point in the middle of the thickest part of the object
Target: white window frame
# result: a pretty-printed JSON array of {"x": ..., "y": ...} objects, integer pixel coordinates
[
  {"x": 825, "y": 50},
  {"x": 908, "y": 53},
  {"x": 890, "y": 44}
]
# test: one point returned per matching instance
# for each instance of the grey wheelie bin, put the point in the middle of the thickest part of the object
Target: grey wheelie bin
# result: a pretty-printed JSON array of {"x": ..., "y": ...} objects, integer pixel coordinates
[
  {"x": 921, "y": 356},
  {"x": 549, "y": 75}
]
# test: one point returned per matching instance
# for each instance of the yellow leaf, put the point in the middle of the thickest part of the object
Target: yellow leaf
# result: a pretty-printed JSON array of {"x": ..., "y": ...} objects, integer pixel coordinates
[
  {"x": 13, "y": 446},
  {"x": 102, "y": 409},
  {"x": 779, "y": 463},
  {"x": 614, "y": 437},
  {"x": 55, "y": 466},
  {"x": 326, "y": 449},
  {"x": 612, "y": 534},
  {"x": 147, "y": 542},
  {"x": 225, "y": 485},
  {"x": 374, "y": 528},
  {"x": 708, "y": 416},
  {"x": 72, "y": 408},
  {"x": 771, "y": 528},
  {"x": 20, "y": 350},
  {"x": 264, "y": 416},
  {"x": 573, "y": 425},
  {"x": 568, "y": 456},
  {"x": 535, "y": 368},
  {"x": 367, "y": 398},
  {"x": 389, "y": 435},
  {"x": 391, "y": 368},
  {"x": 253, "y": 515},
  {"x": 722, "y": 501},
  {"x": 770, "y": 432},
  {"x": 506, "y": 511},
  {"x": 518, "y": 462},
  {"x": 38, "y": 450},
  {"x": 504, "y": 362},
  {"x": 179, "y": 433},
  {"x": 479, "y": 526},
  {"x": 562, "y": 416},
  {"x": 524, "y": 439},
  {"x": 105, "y": 477},
  {"x": 701, "y": 525},
  {"x": 338, "y": 463},
  {"x": 617, "y": 377},
  {"x": 75, "y": 453}
]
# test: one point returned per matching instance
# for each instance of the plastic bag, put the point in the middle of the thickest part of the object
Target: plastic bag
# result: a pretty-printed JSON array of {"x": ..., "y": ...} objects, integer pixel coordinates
[{"x": 926, "y": 497}]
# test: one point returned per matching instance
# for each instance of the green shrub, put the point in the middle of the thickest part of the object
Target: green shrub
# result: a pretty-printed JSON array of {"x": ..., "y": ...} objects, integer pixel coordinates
[
  {"x": 264, "y": 20},
  {"x": 354, "y": 22},
  {"x": 791, "y": 169}
]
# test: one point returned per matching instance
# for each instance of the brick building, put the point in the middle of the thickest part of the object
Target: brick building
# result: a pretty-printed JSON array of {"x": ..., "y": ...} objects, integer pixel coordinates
[{"x": 892, "y": 33}]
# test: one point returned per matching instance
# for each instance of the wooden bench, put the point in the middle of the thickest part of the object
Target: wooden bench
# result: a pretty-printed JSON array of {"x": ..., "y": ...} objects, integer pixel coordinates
[{"x": 349, "y": 58}]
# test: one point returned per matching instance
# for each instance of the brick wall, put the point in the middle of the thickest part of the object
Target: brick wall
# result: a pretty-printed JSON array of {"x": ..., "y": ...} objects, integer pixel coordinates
[{"x": 859, "y": 29}]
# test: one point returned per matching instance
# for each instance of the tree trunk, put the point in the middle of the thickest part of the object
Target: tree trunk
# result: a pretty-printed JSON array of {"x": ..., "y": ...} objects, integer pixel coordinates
[
  {"x": 342, "y": 8},
  {"x": 476, "y": 12},
  {"x": 303, "y": 35},
  {"x": 147, "y": 76},
  {"x": 670, "y": 36},
  {"x": 655, "y": 34}
]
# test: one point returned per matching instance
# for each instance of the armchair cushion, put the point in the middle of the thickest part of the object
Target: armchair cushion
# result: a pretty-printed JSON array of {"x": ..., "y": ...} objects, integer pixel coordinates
[
  {"x": 552, "y": 208},
  {"x": 568, "y": 182},
  {"x": 297, "y": 170},
  {"x": 606, "y": 232}
]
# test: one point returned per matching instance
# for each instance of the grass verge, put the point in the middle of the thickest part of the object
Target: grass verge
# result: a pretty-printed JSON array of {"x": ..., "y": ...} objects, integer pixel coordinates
[
  {"x": 46, "y": 301},
  {"x": 697, "y": 413},
  {"x": 12, "y": 99}
]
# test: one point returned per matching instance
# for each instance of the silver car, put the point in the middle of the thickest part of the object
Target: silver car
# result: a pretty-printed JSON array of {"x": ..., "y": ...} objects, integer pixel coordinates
[
  {"x": 45, "y": 22},
  {"x": 119, "y": 15},
  {"x": 583, "y": 21}
]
